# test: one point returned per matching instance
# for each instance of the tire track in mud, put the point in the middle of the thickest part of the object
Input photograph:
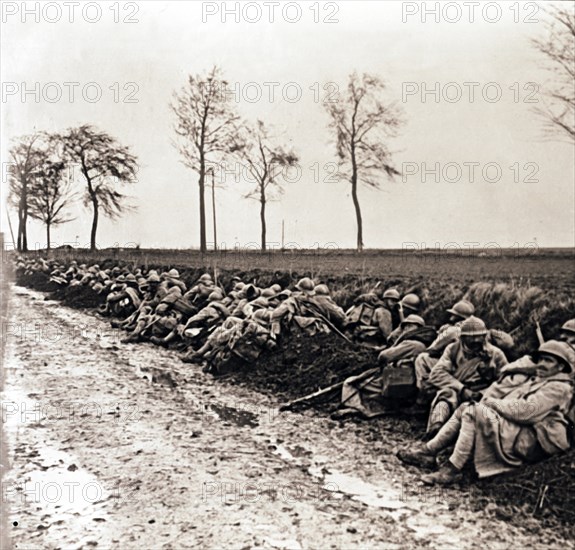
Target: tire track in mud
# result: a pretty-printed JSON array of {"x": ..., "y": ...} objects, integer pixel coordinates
[{"x": 187, "y": 461}]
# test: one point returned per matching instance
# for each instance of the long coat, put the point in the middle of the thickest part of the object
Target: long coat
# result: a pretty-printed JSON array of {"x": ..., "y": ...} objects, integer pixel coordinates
[{"x": 524, "y": 425}]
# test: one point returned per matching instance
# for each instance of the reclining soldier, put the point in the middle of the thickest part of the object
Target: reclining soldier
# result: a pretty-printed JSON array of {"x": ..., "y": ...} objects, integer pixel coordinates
[
  {"x": 521, "y": 419},
  {"x": 364, "y": 394}
]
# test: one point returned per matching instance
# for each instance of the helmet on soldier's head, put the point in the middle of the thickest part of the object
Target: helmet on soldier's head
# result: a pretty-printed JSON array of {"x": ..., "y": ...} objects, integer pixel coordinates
[
  {"x": 411, "y": 301},
  {"x": 262, "y": 316},
  {"x": 174, "y": 274},
  {"x": 276, "y": 288},
  {"x": 305, "y": 285},
  {"x": 153, "y": 278},
  {"x": 239, "y": 286},
  {"x": 215, "y": 296},
  {"x": 130, "y": 279},
  {"x": 560, "y": 350},
  {"x": 473, "y": 326},
  {"x": 322, "y": 290},
  {"x": 413, "y": 320},
  {"x": 462, "y": 309},
  {"x": 268, "y": 293},
  {"x": 260, "y": 302},
  {"x": 391, "y": 294},
  {"x": 121, "y": 278},
  {"x": 568, "y": 326},
  {"x": 205, "y": 278}
]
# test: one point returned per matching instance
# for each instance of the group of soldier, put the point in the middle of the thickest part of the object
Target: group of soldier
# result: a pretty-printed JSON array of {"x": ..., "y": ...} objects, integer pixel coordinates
[{"x": 499, "y": 415}]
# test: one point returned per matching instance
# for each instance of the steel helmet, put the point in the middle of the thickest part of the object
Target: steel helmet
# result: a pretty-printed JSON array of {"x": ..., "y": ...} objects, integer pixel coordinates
[
  {"x": 463, "y": 309},
  {"x": 473, "y": 326},
  {"x": 305, "y": 285},
  {"x": 260, "y": 302},
  {"x": 205, "y": 278},
  {"x": 173, "y": 274},
  {"x": 239, "y": 286},
  {"x": 391, "y": 294},
  {"x": 559, "y": 350},
  {"x": 414, "y": 320},
  {"x": 322, "y": 290},
  {"x": 153, "y": 278},
  {"x": 269, "y": 293},
  {"x": 411, "y": 301},
  {"x": 569, "y": 326},
  {"x": 130, "y": 278},
  {"x": 215, "y": 296},
  {"x": 276, "y": 288}
]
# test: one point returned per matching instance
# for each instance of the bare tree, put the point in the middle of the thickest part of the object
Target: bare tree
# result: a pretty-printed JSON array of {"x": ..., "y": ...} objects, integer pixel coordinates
[
  {"x": 206, "y": 124},
  {"x": 104, "y": 163},
  {"x": 265, "y": 165},
  {"x": 558, "y": 47},
  {"x": 362, "y": 123},
  {"x": 25, "y": 157},
  {"x": 50, "y": 194}
]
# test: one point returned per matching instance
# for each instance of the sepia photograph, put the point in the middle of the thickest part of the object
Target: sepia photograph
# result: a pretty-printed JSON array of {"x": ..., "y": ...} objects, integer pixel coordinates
[{"x": 287, "y": 275}]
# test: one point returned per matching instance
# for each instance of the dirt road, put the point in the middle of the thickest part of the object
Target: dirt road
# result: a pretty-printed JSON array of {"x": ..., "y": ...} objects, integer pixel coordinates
[{"x": 108, "y": 449}]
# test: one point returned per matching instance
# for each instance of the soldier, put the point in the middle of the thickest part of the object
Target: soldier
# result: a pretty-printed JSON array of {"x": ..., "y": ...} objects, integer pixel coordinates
[
  {"x": 363, "y": 394},
  {"x": 328, "y": 308},
  {"x": 369, "y": 321},
  {"x": 299, "y": 310},
  {"x": 567, "y": 332},
  {"x": 465, "y": 368},
  {"x": 446, "y": 335},
  {"x": 515, "y": 423}
]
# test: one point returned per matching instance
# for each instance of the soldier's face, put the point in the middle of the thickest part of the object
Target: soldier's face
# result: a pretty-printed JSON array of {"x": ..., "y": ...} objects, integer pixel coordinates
[
  {"x": 547, "y": 365},
  {"x": 566, "y": 336},
  {"x": 473, "y": 343}
]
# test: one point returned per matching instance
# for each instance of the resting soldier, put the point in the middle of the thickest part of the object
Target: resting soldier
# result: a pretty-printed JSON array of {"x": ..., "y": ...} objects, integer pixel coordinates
[
  {"x": 465, "y": 368},
  {"x": 521, "y": 419},
  {"x": 366, "y": 394}
]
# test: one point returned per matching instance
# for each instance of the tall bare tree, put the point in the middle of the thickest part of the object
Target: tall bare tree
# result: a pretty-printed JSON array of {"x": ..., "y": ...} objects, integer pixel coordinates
[
  {"x": 558, "y": 47},
  {"x": 265, "y": 164},
  {"x": 50, "y": 194},
  {"x": 25, "y": 158},
  {"x": 105, "y": 164},
  {"x": 362, "y": 123},
  {"x": 206, "y": 124}
]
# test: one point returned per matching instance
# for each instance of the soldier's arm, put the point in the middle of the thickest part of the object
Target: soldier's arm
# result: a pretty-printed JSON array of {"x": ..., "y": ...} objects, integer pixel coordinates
[{"x": 441, "y": 375}]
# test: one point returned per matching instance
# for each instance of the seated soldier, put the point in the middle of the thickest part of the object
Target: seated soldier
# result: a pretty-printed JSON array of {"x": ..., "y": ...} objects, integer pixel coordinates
[
  {"x": 327, "y": 307},
  {"x": 521, "y": 419},
  {"x": 446, "y": 335},
  {"x": 369, "y": 320},
  {"x": 465, "y": 368},
  {"x": 298, "y": 311},
  {"x": 362, "y": 394},
  {"x": 567, "y": 332}
]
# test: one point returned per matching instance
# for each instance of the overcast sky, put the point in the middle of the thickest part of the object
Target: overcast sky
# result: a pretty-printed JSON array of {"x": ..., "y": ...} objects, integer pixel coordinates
[{"x": 533, "y": 196}]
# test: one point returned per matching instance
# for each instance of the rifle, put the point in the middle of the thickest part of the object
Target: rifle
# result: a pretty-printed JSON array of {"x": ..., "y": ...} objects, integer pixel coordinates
[
  {"x": 538, "y": 331},
  {"x": 367, "y": 374},
  {"x": 322, "y": 317}
]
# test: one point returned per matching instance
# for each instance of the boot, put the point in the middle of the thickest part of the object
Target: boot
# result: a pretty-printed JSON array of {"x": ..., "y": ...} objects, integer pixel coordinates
[
  {"x": 419, "y": 456},
  {"x": 448, "y": 474},
  {"x": 432, "y": 432}
]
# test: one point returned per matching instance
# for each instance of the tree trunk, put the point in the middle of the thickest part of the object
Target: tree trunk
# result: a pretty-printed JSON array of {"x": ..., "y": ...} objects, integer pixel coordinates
[
  {"x": 48, "y": 236},
  {"x": 94, "y": 224},
  {"x": 356, "y": 203},
  {"x": 24, "y": 231},
  {"x": 201, "y": 185},
  {"x": 263, "y": 216}
]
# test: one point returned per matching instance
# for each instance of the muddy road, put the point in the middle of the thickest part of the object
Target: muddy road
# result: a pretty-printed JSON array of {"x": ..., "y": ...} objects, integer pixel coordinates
[{"x": 123, "y": 446}]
